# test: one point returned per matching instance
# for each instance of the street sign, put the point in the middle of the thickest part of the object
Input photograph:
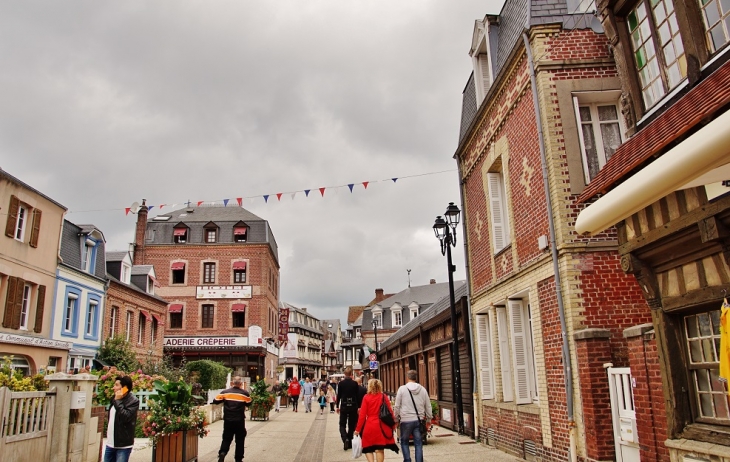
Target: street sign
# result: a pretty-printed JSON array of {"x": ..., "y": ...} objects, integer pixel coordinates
[
  {"x": 373, "y": 357},
  {"x": 373, "y": 365}
]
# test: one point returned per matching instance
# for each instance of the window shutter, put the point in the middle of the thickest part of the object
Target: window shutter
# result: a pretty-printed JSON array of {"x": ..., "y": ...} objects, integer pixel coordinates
[
  {"x": 498, "y": 213},
  {"x": 484, "y": 69},
  {"x": 10, "y": 301},
  {"x": 38, "y": 327},
  {"x": 485, "y": 357},
  {"x": 520, "y": 351},
  {"x": 579, "y": 127},
  {"x": 12, "y": 217},
  {"x": 36, "y": 228},
  {"x": 505, "y": 363},
  {"x": 17, "y": 304}
]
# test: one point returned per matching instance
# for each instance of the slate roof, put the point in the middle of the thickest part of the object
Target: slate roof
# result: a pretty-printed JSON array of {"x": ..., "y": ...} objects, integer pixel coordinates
[
  {"x": 71, "y": 249},
  {"x": 115, "y": 256},
  {"x": 209, "y": 213},
  {"x": 138, "y": 270},
  {"x": 135, "y": 288},
  {"x": 423, "y": 295},
  {"x": 335, "y": 324},
  {"x": 429, "y": 313}
]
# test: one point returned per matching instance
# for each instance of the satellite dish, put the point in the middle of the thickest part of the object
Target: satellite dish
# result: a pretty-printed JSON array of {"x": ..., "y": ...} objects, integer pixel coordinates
[{"x": 135, "y": 207}]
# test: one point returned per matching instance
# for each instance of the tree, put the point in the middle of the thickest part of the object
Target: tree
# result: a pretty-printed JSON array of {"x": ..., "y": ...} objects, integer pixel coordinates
[{"x": 118, "y": 352}]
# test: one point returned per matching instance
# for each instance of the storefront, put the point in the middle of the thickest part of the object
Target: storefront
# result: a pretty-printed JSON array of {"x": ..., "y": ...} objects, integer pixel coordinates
[{"x": 34, "y": 354}]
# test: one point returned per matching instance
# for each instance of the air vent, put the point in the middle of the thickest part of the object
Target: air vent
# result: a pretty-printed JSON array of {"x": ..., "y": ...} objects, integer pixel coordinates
[
  {"x": 491, "y": 437},
  {"x": 530, "y": 450}
]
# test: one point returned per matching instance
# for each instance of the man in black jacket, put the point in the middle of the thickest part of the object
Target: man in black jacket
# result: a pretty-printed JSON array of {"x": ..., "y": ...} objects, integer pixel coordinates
[
  {"x": 122, "y": 420},
  {"x": 234, "y": 401},
  {"x": 347, "y": 404}
]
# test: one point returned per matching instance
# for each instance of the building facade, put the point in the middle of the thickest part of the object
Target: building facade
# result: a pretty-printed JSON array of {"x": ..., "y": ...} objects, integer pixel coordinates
[
  {"x": 302, "y": 356},
  {"x": 672, "y": 60},
  {"x": 219, "y": 269},
  {"x": 332, "y": 361},
  {"x": 28, "y": 262},
  {"x": 80, "y": 294}
]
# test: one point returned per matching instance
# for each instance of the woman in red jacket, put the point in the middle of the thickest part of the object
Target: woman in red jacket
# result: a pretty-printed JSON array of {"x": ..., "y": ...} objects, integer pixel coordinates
[
  {"x": 294, "y": 390},
  {"x": 376, "y": 436}
]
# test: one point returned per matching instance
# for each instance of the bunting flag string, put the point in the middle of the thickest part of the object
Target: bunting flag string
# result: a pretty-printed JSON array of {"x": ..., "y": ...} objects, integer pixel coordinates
[{"x": 251, "y": 199}]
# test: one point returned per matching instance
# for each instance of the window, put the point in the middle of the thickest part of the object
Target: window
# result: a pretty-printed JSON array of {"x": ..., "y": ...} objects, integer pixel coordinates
[
  {"x": 70, "y": 312},
  {"x": 126, "y": 275},
  {"x": 378, "y": 318},
  {"x": 141, "y": 329},
  {"x": 485, "y": 356},
  {"x": 239, "y": 233},
  {"x": 153, "y": 331},
  {"x": 178, "y": 273},
  {"x": 150, "y": 285},
  {"x": 91, "y": 318},
  {"x": 504, "y": 355},
  {"x": 176, "y": 319},
  {"x": 20, "y": 222},
  {"x": 239, "y": 319},
  {"x": 498, "y": 204},
  {"x": 716, "y": 14},
  {"x": 207, "y": 316},
  {"x": 180, "y": 235},
  {"x": 599, "y": 131},
  {"x": 25, "y": 307},
  {"x": 88, "y": 254},
  {"x": 18, "y": 215},
  {"x": 397, "y": 319},
  {"x": 210, "y": 235},
  {"x": 209, "y": 272},
  {"x": 150, "y": 235},
  {"x": 657, "y": 48},
  {"x": 239, "y": 276},
  {"x": 522, "y": 354},
  {"x": 113, "y": 320},
  {"x": 709, "y": 392},
  {"x": 129, "y": 326}
]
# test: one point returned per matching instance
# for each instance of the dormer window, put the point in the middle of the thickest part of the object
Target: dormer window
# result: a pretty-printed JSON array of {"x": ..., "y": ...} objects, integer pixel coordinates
[
  {"x": 180, "y": 235},
  {"x": 240, "y": 232},
  {"x": 88, "y": 253},
  {"x": 396, "y": 313},
  {"x": 481, "y": 60},
  {"x": 211, "y": 233},
  {"x": 413, "y": 308},
  {"x": 126, "y": 273}
]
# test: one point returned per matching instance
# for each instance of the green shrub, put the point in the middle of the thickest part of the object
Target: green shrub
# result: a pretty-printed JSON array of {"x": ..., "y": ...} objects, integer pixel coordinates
[
  {"x": 118, "y": 352},
  {"x": 211, "y": 375}
]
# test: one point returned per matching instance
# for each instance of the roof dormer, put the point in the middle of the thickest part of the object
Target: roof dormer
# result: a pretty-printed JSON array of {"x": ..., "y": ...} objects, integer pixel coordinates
[{"x": 481, "y": 55}]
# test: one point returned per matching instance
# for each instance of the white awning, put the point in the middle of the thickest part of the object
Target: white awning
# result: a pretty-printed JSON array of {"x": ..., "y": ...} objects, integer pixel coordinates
[{"x": 706, "y": 150}]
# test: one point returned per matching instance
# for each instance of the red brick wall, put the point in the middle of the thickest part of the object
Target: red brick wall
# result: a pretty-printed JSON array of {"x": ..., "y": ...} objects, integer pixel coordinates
[{"x": 511, "y": 429}]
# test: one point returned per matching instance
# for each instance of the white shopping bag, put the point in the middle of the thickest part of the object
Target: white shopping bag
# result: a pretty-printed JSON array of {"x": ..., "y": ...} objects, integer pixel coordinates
[{"x": 356, "y": 447}]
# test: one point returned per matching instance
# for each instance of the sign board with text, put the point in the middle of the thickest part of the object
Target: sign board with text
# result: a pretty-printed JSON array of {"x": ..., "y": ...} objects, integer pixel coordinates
[
  {"x": 373, "y": 365},
  {"x": 182, "y": 342},
  {"x": 27, "y": 340},
  {"x": 217, "y": 292}
]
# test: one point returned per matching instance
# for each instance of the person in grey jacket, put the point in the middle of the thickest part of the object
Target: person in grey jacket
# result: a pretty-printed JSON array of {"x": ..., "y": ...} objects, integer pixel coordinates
[{"x": 411, "y": 404}]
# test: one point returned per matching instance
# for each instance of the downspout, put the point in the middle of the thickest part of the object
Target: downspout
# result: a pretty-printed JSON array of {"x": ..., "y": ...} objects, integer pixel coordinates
[
  {"x": 467, "y": 316},
  {"x": 567, "y": 369}
]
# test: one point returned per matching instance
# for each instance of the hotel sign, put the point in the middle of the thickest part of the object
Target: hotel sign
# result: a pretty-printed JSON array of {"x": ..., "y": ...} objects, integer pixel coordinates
[
  {"x": 232, "y": 292},
  {"x": 182, "y": 342},
  {"x": 34, "y": 341}
]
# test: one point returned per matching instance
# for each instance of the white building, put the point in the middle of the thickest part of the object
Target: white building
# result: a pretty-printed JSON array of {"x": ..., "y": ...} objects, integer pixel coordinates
[{"x": 302, "y": 354}]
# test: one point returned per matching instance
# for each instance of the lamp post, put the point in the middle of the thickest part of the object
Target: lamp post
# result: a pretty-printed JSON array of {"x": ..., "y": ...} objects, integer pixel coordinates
[
  {"x": 445, "y": 231},
  {"x": 375, "y": 332}
]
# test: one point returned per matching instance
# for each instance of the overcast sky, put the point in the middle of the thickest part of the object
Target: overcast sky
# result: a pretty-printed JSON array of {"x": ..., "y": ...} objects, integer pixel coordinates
[{"x": 105, "y": 103}]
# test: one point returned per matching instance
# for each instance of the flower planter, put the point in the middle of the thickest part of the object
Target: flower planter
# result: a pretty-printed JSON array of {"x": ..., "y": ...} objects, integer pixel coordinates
[
  {"x": 260, "y": 412},
  {"x": 180, "y": 446}
]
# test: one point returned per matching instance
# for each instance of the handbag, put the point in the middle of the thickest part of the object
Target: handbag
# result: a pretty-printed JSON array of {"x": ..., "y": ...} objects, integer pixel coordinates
[
  {"x": 385, "y": 415},
  {"x": 421, "y": 423}
]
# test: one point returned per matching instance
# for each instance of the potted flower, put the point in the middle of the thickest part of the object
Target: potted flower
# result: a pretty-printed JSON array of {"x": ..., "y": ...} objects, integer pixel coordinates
[
  {"x": 434, "y": 412},
  {"x": 174, "y": 422},
  {"x": 262, "y": 401}
]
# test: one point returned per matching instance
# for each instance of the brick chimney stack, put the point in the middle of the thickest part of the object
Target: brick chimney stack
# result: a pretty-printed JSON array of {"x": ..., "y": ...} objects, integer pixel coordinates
[
  {"x": 433, "y": 281},
  {"x": 379, "y": 296},
  {"x": 139, "y": 233}
]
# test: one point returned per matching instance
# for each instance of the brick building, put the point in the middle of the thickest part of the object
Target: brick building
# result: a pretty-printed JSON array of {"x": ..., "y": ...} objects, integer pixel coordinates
[
  {"x": 132, "y": 308},
  {"x": 664, "y": 194},
  {"x": 541, "y": 116},
  {"x": 219, "y": 269}
]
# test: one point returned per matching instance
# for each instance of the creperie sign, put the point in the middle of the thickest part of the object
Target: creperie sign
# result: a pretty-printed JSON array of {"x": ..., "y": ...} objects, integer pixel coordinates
[{"x": 182, "y": 342}]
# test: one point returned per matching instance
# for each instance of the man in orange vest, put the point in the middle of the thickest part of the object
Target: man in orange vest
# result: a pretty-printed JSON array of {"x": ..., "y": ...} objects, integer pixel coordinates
[{"x": 234, "y": 401}]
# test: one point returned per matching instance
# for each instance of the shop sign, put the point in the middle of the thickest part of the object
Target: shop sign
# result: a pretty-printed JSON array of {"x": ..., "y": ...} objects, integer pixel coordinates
[
  {"x": 215, "y": 292},
  {"x": 290, "y": 349},
  {"x": 283, "y": 325},
  {"x": 255, "y": 334},
  {"x": 182, "y": 342},
  {"x": 34, "y": 341}
]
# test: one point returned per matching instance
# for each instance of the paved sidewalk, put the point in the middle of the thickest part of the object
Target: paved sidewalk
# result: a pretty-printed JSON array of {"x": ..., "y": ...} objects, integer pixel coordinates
[{"x": 311, "y": 437}]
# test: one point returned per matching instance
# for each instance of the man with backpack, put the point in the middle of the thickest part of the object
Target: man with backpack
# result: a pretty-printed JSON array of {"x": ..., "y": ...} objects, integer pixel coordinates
[{"x": 412, "y": 406}]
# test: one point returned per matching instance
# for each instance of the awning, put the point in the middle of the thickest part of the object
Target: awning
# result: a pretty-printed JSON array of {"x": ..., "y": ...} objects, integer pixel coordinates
[
  {"x": 179, "y": 231},
  {"x": 146, "y": 315},
  {"x": 178, "y": 265},
  {"x": 239, "y": 231},
  {"x": 238, "y": 307},
  {"x": 176, "y": 308},
  {"x": 239, "y": 265},
  {"x": 158, "y": 319},
  {"x": 704, "y": 151}
]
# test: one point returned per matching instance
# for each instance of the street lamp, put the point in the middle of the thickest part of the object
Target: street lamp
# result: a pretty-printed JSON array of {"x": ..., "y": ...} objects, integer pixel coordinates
[
  {"x": 445, "y": 231},
  {"x": 375, "y": 332}
]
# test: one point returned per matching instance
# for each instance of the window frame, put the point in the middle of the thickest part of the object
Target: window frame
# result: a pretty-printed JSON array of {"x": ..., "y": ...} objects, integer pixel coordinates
[
  {"x": 129, "y": 326},
  {"x": 207, "y": 317},
  {"x": 237, "y": 279},
  {"x": 113, "y": 318},
  {"x": 174, "y": 318},
  {"x": 70, "y": 313},
  {"x": 182, "y": 239},
  {"x": 209, "y": 272},
  {"x": 723, "y": 22},
  {"x": 141, "y": 327},
  {"x": 175, "y": 273},
  {"x": 25, "y": 306},
  {"x": 499, "y": 213},
  {"x": 92, "y": 319},
  {"x": 239, "y": 316},
  {"x": 593, "y": 99},
  {"x": 21, "y": 220},
  {"x": 211, "y": 235}
]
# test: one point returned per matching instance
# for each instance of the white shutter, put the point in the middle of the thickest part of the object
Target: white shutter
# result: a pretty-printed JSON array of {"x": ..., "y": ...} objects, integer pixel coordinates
[
  {"x": 520, "y": 351},
  {"x": 499, "y": 214},
  {"x": 484, "y": 69},
  {"x": 504, "y": 360},
  {"x": 485, "y": 357},
  {"x": 579, "y": 127}
]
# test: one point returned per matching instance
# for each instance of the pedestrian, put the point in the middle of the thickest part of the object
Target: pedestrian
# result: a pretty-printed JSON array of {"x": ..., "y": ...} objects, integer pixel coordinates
[
  {"x": 376, "y": 435},
  {"x": 412, "y": 406},
  {"x": 308, "y": 390},
  {"x": 276, "y": 390},
  {"x": 347, "y": 404},
  {"x": 122, "y": 420},
  {"x": 361, "y": 391},
  {"x": 322, "y": 402},
  {"x": 331, "y": 398},
  {"x": 294, "y": 391},
  {"x": 235, "y": 400}
]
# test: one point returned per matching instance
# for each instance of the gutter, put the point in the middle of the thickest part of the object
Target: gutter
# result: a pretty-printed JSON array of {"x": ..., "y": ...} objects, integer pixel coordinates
[{"x": 567, "y": 367}]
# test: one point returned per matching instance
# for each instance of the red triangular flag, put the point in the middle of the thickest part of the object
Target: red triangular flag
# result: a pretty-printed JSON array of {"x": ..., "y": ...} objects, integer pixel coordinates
[
  {"x": 200, "y": 202},
  {"x": 240, "y": 200},
  {"x": 278, "y": 196},
  {"x": 321, "y": 191},
  {"x": 365, "y": 183},
  {"x": 127, "y": 210}
]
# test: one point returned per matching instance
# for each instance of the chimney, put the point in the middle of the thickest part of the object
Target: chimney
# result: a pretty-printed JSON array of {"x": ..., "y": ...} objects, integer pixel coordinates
[
  {"x": 433, "y": 281},
  {"x": 139, "y": 234},
  {"x": 379, "y": 297}
]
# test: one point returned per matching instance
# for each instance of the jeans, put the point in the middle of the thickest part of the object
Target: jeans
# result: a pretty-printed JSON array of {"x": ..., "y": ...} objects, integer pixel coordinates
[
  {"x": 348, "y": 420},
  {"x": 116, "y": 455},
  {"x": 231, "y": 429},
  {"x": 406, "y": 430},
  {"x": 308, "y": 403}
]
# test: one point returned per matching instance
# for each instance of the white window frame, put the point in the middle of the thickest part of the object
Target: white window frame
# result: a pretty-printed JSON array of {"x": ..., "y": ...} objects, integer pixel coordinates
[
  {"x": 126, "y": 273},
  {"x": 129, "y": 326},
  {"x": 91, "y": 317},
  {"x": 25, "y": 307},
  {"x": 87, "y": 253},
  {"x": 522, "y": 352},
  {"x": 504, "y": 355},
  {"x": 498, "y": 208},
  {"x": 21, "y": 222},
  {"x": 140, "y": 331},
  {"x": 593, "y": 100},
  {"x": 71, "y": 302},
  {"x": 396, "y": 314},
  {"x": 113, "y": 320},
  {"x": 486, "y": 360}
]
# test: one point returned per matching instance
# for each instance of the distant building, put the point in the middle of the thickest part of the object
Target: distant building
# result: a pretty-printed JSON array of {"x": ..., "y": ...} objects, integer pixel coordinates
[
  {"x": 219, "y": 269},
  {"x": 78, "y": 308},
  {"x": 332, "y": 352},
  {"x": 132, "y": 309},
  {"x": 28, "y": 263},
  {"x": 302, "y": 355}
]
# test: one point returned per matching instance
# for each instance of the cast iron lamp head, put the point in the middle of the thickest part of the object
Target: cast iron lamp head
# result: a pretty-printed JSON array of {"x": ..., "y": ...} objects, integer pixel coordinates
[{"x": 445, "y": 230}]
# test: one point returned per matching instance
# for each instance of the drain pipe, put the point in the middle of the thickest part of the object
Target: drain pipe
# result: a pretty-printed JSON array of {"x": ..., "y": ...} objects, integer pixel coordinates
[{"x": 567, "y": 369}]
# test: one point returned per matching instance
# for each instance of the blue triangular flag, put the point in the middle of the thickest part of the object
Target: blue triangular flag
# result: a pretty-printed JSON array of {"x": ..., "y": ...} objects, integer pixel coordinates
[
  {"x": 351, "y": 185},
  {"x": 150, "y": 207},
  {"x": 306, "y": 192},
  {"x": 394, "y": 179},
  {"x": 225, "y": 202},
  {"x": 266, "y": 198}
]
